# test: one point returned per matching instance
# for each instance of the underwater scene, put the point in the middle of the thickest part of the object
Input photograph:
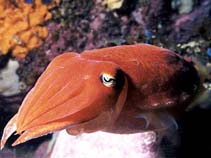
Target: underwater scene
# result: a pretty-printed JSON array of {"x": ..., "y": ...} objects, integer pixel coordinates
[{"x": 105, "y": 78}]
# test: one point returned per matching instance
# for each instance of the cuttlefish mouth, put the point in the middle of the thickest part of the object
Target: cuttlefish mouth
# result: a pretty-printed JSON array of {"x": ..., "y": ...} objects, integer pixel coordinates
[{"x": 70, "y": 92}]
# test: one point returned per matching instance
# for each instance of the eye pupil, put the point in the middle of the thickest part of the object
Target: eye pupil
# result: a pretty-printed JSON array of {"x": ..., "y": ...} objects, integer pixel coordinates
[{"x": 108, "y": 80}]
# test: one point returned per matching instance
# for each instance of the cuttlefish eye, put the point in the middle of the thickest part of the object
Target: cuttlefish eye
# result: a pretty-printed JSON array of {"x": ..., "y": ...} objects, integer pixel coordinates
[
  {"x": 107, "y": 80},
  {"x": 115, "y": 81}
]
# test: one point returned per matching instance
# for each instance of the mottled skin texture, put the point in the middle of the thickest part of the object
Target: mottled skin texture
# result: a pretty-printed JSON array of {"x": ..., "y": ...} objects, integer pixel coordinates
[{"x": 147, "y": 82}]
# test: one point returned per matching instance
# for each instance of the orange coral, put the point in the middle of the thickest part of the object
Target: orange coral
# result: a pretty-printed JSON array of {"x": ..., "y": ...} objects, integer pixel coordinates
[{"x": 21, "y": 25}]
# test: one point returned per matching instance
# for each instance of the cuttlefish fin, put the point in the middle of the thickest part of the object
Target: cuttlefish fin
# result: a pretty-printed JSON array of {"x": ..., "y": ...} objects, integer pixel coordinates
[
  {"x": 159, "y": 121},
  {"x": 163, "y": 123},
  {"x": 103, "y": 121},
  {"x": 9, "y": 130}
]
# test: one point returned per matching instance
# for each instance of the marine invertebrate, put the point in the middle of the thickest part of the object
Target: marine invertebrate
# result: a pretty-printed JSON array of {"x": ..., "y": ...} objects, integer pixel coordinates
[
  {"x": 113, "y": 4},
  {"x": 21, "y": 25},
  {"x": 121, "y": 89}
]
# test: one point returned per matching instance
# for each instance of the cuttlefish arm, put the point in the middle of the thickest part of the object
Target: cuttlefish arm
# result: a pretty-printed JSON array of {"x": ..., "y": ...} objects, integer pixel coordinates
[
  {"x": 9, "y": 130},
  {"x": 34, "y": 132},
  {"x": 72, "y": 91}
]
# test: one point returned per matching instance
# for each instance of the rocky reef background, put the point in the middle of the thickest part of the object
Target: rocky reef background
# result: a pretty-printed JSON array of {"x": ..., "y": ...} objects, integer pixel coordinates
[{"x": 76, "y": 25}]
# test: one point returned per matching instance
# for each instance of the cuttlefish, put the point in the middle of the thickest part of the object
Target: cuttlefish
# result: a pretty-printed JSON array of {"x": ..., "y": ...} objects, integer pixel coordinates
[{"x": 121, "y": 89}]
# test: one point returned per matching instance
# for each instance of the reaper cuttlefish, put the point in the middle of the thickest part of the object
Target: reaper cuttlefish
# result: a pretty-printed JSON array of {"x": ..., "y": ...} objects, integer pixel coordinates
[{"x": 122, "y": 89}]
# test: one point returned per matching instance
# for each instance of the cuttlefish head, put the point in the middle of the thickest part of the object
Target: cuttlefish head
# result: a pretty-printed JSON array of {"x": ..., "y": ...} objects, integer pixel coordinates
[{"x": 71, "y": 91}]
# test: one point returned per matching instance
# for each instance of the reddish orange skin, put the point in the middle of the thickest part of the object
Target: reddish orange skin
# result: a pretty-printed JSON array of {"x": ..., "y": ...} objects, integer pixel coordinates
[
  {"x": 69, "y": 94},
  {"x": 158, "y": 77}
]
